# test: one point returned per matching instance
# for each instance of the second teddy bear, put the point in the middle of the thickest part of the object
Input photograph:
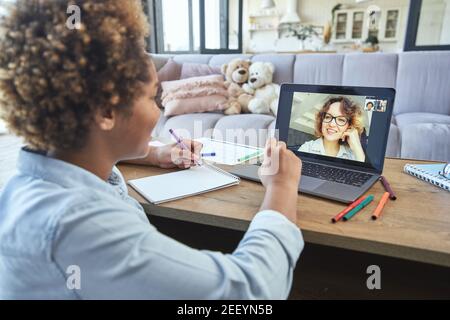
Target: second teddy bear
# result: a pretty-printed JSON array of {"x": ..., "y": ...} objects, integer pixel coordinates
[
  {"x": 236, "y": 74},
  {"x": 261, "y": 94}
]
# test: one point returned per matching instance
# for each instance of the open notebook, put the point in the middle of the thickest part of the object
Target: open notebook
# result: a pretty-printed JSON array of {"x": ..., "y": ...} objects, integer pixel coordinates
[{"x": 182, "y": 184}]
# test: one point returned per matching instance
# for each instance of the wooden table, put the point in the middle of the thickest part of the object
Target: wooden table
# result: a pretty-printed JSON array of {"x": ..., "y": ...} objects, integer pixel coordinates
[
  {"x": 416, "y": 226},
  {"x": 412, "y": 227}
]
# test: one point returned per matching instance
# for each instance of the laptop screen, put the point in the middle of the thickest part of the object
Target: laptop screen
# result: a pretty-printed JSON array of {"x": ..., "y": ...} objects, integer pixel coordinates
[{"x": 340, "y": 126}]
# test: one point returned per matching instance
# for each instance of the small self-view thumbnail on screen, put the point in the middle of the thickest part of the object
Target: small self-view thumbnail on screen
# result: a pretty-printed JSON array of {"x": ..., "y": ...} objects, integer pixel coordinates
[{"x": 332, "y": 125}]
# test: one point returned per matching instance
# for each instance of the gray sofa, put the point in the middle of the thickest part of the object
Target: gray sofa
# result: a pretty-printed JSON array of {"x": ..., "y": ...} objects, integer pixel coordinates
[{"x": 420, "y": 127}]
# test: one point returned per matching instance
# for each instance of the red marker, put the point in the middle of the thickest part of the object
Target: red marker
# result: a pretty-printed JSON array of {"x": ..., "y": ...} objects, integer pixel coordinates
[{"x": 347, "y": 210}]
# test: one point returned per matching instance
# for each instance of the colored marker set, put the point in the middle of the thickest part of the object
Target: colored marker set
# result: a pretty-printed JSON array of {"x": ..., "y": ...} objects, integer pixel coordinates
[
  {"x": 362, "y": 202},
  {"x": 352, "y": 209}
]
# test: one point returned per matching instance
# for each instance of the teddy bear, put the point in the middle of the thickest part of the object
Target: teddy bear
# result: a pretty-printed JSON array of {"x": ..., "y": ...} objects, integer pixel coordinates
[
  {"x": 236, "y": 74},
  {"x": 261, "y": 95}
]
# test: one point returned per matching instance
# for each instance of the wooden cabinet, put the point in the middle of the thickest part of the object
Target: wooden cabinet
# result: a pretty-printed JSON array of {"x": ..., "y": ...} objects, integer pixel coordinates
[{"x": 352, "y": 25}]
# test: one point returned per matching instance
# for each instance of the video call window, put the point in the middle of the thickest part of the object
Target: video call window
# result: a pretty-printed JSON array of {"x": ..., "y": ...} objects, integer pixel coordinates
[
  {"x": 375, "y": 105},
  {"x": 332, "y": 125}
]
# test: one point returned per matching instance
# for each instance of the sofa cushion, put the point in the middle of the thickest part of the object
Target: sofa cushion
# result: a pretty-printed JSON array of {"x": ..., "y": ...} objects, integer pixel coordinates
[
  {"x": 249, "y": 129},
  {"x": 370, "y": 70},
  {"x": 426, "y": 141},
  {"x": 199, "y": 104},
  {"x": 220, "y": 59},
  {"x": 159, "y": 126},
  {"x": 273, "y": 125},
  {"x": 193, "y": 126},
  {"x": 318, "y": 69},
  {"x": 192, "y": 58},
  {"x": 394, "y": 142},
  {"x": 393, "y": 120},
  {"x": 170, "y": 71},
  {"x": 284, "y": 71},
  {"x": 190, "y": 70},
  {"x": 195, "y": 83},
  {"x": 160, "y": 60},
  {"x": 423, "y": 80},
  {"x": 406, "y": 119}
]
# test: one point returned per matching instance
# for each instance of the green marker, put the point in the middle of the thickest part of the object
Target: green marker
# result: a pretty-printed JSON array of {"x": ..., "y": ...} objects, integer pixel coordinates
[
  {"x": 248, "y": 157},
  {"x": 366, "y": 201}
]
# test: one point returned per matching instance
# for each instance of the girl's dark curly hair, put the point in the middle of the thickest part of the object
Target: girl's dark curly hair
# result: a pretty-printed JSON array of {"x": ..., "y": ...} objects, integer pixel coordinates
[{"x": 53, "y": 79}]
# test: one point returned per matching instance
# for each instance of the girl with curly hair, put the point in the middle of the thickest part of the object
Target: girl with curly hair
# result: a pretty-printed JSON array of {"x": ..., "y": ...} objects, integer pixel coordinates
[{"x": 83, "y": 100}]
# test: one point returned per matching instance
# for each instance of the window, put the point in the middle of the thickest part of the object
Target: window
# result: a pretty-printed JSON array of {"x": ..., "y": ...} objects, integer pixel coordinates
[
  {"x": 428, "y": 25},
  {"x": 3, "y": 6},
  {"x": 195, "y": 26}
]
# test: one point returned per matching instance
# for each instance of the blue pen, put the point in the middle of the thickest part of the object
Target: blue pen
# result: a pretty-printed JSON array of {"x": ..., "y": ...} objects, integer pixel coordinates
[
  {"x": 181, "y": 144},
  {"x": 212, "y": 154}
]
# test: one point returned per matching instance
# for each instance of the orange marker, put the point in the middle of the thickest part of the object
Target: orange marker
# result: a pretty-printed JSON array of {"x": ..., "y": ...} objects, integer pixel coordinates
[{"x": 377, "y": 213}]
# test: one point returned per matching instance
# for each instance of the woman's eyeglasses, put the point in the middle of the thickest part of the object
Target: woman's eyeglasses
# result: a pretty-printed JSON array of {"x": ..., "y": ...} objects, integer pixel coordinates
[
  {"x": 340, "y": 120},
  {"x": 446, "y": 172}
]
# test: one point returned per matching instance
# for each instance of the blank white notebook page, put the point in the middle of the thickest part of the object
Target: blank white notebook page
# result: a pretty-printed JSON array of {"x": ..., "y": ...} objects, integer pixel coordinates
[{"x": 180, "y": 184}]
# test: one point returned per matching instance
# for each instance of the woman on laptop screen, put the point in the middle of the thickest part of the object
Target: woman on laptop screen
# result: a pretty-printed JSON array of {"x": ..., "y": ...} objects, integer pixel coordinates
[{"x": 338, "y": 127}]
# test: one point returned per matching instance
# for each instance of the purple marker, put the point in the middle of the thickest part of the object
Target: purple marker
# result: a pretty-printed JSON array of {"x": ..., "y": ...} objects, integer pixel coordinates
[{"x": 388, "y": 188}]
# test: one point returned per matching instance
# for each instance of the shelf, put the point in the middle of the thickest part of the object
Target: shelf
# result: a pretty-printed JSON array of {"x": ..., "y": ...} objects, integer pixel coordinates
[
  {"x": 263, "y": 29},
  {"x": 264, "y": 16}
]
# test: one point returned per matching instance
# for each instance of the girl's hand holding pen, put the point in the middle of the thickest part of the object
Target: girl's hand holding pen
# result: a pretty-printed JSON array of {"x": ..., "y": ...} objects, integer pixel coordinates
[{"x": 176, "y": 156}]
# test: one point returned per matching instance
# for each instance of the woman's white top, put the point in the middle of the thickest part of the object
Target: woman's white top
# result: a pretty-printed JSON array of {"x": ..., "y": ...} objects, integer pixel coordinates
[{"x": 317, "y": 147}]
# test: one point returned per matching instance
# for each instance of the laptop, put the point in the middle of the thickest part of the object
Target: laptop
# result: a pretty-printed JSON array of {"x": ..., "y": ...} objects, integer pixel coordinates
[{"x": 340, "y": 133}]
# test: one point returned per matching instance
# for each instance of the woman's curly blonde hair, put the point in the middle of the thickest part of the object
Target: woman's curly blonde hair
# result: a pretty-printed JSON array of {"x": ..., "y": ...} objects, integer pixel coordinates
[{"x": 53, "y": 79}]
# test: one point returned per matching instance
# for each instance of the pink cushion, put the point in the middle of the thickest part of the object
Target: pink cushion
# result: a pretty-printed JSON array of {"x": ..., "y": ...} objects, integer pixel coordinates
[
  {"x": 195, "y": 105},
  {"x": 199, "y": 91},
  {"x": 170, "y": 71},
  {"x": 189, "y": 70},
  {"x": 193, "y": 95},
  {"x": 190, "y": 83}
]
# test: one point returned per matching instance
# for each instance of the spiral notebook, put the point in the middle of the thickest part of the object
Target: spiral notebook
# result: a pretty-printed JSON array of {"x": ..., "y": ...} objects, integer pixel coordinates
[
  {"x": 182, "y": 184},
  {"x": 429, "y": 173}
]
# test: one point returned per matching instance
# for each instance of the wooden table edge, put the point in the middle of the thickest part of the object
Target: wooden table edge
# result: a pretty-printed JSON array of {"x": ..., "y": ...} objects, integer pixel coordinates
[{"x": 314, "y": 237}]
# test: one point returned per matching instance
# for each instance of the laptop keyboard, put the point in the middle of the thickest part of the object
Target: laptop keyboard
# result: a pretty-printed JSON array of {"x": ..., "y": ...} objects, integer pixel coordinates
[{"x": 338, "y": 175}]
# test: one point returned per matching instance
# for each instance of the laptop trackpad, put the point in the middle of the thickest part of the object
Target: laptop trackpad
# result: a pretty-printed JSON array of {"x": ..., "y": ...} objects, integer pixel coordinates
[{"x": 309, "y": 183}]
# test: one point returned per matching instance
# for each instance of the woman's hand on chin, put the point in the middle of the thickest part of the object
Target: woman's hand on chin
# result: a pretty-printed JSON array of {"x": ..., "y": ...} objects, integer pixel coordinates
[
  {"x": 172, "y": 156},
  {"x": 353, "y": 139}
]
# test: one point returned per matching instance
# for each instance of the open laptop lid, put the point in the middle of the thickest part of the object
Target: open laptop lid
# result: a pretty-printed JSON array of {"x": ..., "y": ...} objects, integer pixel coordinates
[{"x": 341, "y": 125}]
